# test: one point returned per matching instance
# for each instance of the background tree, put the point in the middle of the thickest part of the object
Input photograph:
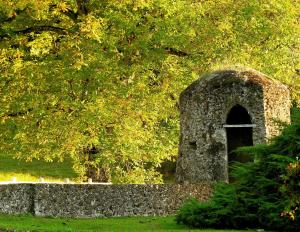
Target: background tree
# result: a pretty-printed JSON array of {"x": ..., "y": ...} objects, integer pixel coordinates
[{"x": 98, "y": 81}]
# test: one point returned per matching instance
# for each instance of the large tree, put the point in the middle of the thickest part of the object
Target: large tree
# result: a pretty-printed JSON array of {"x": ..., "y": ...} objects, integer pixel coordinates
[{"x": 98, "y": 81}]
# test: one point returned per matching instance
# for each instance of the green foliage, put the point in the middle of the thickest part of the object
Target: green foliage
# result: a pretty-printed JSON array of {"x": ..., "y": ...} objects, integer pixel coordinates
[
  {"x": 265, "y": 193},
  {"x": 98, "y": 81}
]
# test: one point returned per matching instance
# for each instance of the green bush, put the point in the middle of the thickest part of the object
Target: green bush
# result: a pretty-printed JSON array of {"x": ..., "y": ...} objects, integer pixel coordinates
[{"x": 265, "y": 193}]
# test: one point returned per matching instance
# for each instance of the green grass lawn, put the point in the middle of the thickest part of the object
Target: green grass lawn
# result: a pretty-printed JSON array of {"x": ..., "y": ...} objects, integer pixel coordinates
[
  {"x": 30, "y": 223},
  {"x": 32, "y": 171}
]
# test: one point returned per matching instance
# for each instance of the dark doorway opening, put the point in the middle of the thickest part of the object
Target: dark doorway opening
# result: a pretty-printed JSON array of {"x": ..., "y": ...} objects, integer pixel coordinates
[
  {"x": 239, "y": 134},
  {"x": 238, "y": 115},
  {"x": 238, "y": 137}
]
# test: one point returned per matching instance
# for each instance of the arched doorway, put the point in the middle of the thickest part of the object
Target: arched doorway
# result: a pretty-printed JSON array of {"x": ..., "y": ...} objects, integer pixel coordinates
[{"x": 239, "y": 133}]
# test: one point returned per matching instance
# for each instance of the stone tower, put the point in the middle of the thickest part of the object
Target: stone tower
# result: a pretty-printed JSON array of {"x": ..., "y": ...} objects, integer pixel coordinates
[{"x": 224, "y": 110}]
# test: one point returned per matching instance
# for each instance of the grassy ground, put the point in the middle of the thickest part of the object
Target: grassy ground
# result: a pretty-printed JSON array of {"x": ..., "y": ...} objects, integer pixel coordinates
[
  {"x": 30, "y": 223},
  {"x": 32, "y": 171}
]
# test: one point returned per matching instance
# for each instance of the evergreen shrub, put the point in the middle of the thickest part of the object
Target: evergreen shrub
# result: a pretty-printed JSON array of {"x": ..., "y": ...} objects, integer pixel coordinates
[{"x": 265, "y": 193}]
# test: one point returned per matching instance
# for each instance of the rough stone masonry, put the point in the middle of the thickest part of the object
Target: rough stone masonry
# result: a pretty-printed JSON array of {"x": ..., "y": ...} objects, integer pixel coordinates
[
  {"x": 97, "y": 200},
  {"x": 219, "y": 108}
]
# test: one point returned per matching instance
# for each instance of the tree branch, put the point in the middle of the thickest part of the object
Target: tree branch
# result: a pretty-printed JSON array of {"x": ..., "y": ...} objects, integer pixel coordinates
[
  {"x": 176, "y": 52},
  {"x": 17, "y": 114},
  {"x": 81, "y": 7},
  {"x": 9, "y": 34},
  {"x": 42, "y": 28}
]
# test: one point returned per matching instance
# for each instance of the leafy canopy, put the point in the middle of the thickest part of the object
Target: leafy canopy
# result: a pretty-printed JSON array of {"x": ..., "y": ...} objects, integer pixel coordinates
[{"x": 98, "y": 81}]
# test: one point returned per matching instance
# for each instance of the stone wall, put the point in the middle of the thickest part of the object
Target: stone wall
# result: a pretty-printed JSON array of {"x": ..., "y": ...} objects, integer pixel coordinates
[
  {"x": 16, "y": 198},
  {"x": 277, "y": 106},
  {"x": 97, "y": 200}
]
